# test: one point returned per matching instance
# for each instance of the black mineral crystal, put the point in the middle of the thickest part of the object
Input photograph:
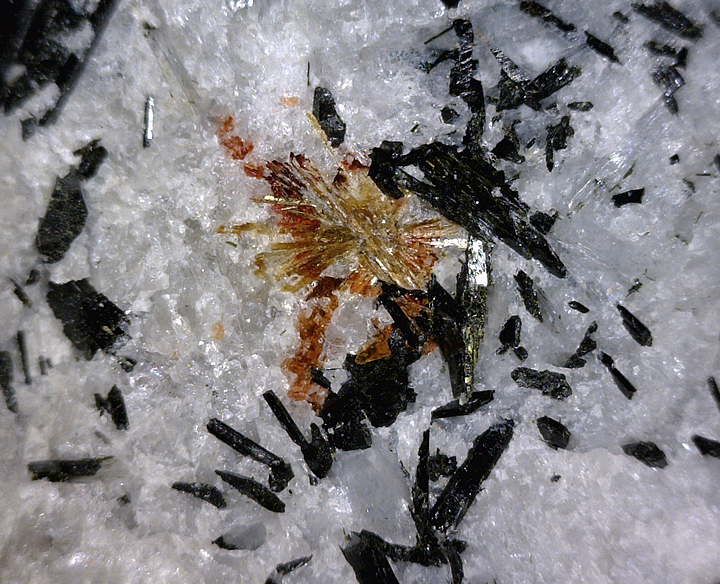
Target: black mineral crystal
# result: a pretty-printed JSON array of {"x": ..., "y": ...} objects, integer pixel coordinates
[
  {"x": 203, "y": 492},
  {"x": 90, "y": 320},
  {"x": 65, "y": 470},
  {"x": 327, "y": 116},
  {"x": 646, "y": 452},
  {"x": 549, "y": 382},
  {"x": 638, "y": 331},
  {"x": 113, "y": 404},
  {"x": 553, "y": 432},
  {"x": 253, "y": 490}
]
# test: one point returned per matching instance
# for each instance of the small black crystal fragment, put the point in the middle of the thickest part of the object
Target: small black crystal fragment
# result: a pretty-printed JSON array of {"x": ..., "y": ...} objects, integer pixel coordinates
[
  {"x": 674, "y": 159},
  {"x": 202, "y": 491},
  {"x": 327, "y": 116},
  {"x": 557, "y": 137},
  {"x": 90, "y": 320},
  {"x": 549, "y": 382},
  {"x": 539, "y": 11},
  {"x": 24, "y": 360},
  {"x": 623, "y": 383},
  {"x": 451, "y": 3},
  {"x": 716, "y": 161},
  {"x": 601, "y": 48},
  {"x": 669, "y": 18},
  {"x": 462, "y": 488},
  {"x": 714, "y": 391},
  {"x": 449, "y": 115},
  {"x": 521, "y": 353},
  {"x": 253, "y": 490},
  {"x": 247, "y": 538},
  {"x": 441, "y": 465},
  {"x": 226, "y": 545},
  {"x": 369, "y": 563},
  {"x": 285, "y": 569},
  {"x": 633, "y": 196},
  {"x": 581, "y": 106},
  {"x": 706, "y": 446},
  {"x": 553, "y": 432},
  {"x": 280, "y": 471},
  {"x": 510, "y": 334},
  {"x": 6, "y": 376},
  {"x": 127, "y": 363},
  {"x": 454, "y": 408},
  {"x": 575, "y": 305},
  {"x": 646, "y": 452},
  {"x": 92, "y": 156},
  {"x": 669, "y": 78},
  {"x": 20, "y": 293},
  {"x": 64, "y": 219},
  {"x": 586, "y": 345},
  {"x": 65, "y": 470},
  {"x": 555, "y": 478},
  {"x": 317, "y": 453},
  {"x": 114, "y": 405},
  {"x": 529, "y": 294},
  {"x": 617, "y": 15},
  {"x": 638, "y": 331}
]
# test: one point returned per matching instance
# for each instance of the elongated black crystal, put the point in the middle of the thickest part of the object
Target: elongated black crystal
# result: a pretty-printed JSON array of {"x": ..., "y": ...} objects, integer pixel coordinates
[
  {"x": 65, "y": 470},
  {"x": 6, "y": 377},
  {"x": 317, "y": 452},
  {"x": 714, "y": 391},
  {"x": 327, "y": 116},
  {"x": 575, "y": 305},
  {"x": 253, "y": 490},
  {"x": 549, "y": 382},
  {"x": 90, "y": 320},
  {"x": 669, "y": 18},
  {"x": 462, "y": 488},
  {"x": 553, "y": 432},
  {"x": 646, "y": 452},
  {"x": 286, "y": 568},
  {"x": 539, "y": 11},
  {"x": 114, "y": 405},
  {"x": 454, "y": 408},
  {"x": 638, "y": 331},
  {"x": 280, "y": 471},
  {"x": 632, "y": 196},
  {"x": 529, "y": 294},
  {"x": 557, "y": 137},
  {"x": 706, "y": 446},
  {"x": 581, "y": 106},
  {"x": 601, "y": 47},
  {"x": 202, "y": 491},
  {"x": 447, "y": 320},
  {"x": 623, "y": 383},
  {"x": 24, "y": 359},
  {"x": 22, "y": 296}
]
